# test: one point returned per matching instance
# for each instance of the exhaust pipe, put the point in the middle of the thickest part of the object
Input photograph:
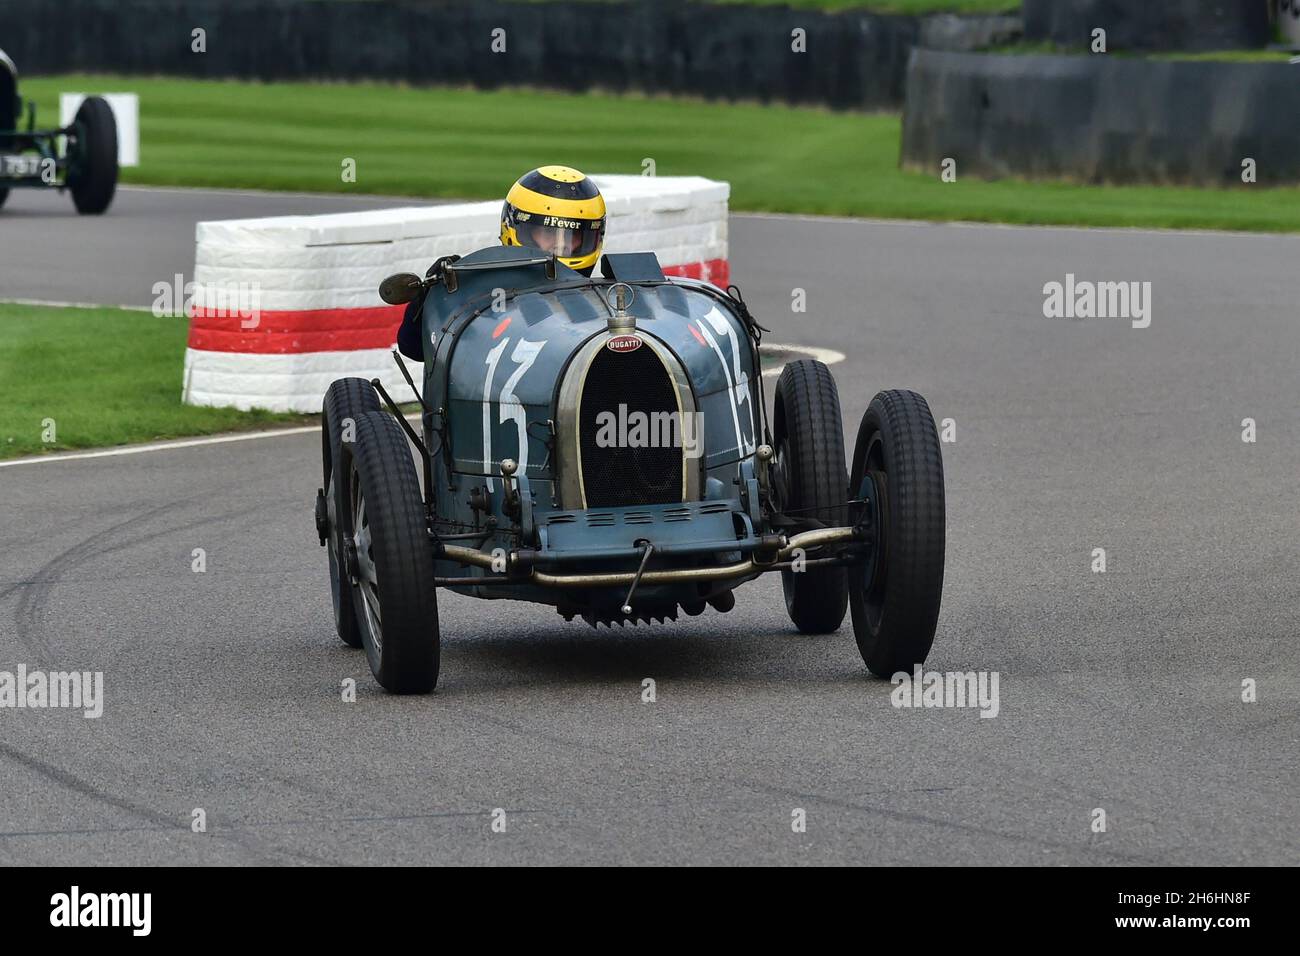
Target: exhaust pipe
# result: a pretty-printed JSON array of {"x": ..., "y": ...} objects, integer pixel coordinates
[{"x": 807, "y": 540}]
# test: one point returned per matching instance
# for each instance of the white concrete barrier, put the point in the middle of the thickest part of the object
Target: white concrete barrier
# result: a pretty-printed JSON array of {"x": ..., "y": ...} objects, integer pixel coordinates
[
  {"x": 285, "y": 305},
  {"x": 126, "y": 111}
]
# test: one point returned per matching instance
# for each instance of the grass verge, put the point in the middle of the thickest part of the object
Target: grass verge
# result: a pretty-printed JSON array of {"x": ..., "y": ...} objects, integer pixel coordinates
[
  {"x": 100, "y": 377},
  {"x": 473, "y": 144},
  {"x": 914, "y": 7},
  {"x": 1037, "y": 47}
]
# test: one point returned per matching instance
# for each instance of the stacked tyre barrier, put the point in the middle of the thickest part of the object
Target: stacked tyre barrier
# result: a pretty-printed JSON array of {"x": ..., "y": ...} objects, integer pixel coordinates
[
  {"x": 1150, "y": 24},
  {"x": 1102, "y": 119},
  {"x": 307, "y": 286},
  {"x": 849, "y": 59}
]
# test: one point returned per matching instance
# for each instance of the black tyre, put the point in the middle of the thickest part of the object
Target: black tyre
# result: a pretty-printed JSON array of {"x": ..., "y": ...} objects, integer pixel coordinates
[
  {"x": 92, "y": 168},
  {"x": 894, "y": 595},
  {"x": 810, "y": 483},
  {"x": 346, "y": 401},
  {"x": 4, "y": 194},
  {"x": 390, "y": 557}
]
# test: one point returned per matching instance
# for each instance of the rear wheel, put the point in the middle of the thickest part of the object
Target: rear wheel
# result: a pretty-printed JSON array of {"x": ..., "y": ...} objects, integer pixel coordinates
[
  {"x": 92, "y": 169},
  {"x": 4, "y": 194},
  {"x": 810, "y": 485},
  {"x": 346, "y": 401},
  {"x": 390, "y": 557},
  {"x": 894, "y": 595}
]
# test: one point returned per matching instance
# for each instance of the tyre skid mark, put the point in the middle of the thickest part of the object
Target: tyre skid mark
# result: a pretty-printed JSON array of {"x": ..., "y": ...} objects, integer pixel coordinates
[
  {"x": 34, "y": 593},
  {"x": 846, "y": 804},
  {"x": 921, "y": 819},
  {"x": 160, "y": 821},
  {"x": 33, "y": 597}
]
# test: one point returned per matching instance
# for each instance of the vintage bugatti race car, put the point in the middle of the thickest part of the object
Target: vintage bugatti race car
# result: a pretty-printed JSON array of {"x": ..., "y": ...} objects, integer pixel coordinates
[
  {"x": 81, "y": 158},
  {"x": 603, "y": 446}
]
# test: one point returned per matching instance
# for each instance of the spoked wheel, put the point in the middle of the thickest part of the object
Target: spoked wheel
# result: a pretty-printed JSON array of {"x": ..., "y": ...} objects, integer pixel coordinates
[
  {"x": 346, "y": 401},
  {"x": 894, "y": 593},
  {"x": 389, "y": 557},
  {"x": 809, "y": 484},
  {"x": 366, "y": 581}
]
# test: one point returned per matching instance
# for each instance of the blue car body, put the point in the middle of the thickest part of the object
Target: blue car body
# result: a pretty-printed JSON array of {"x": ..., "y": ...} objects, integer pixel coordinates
[{"x": 512, "y": 346}]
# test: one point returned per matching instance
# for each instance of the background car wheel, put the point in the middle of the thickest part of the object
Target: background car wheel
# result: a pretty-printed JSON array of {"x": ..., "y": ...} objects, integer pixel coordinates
[
  {"x": 811, "y": 483},
  {"x": 391, "y": 557},
  {"x": 895, "y": 594},
  {"x": 346, "y": 401},
  {"x": 92, "y": 172},
  {"x": 4, "y": 194}
]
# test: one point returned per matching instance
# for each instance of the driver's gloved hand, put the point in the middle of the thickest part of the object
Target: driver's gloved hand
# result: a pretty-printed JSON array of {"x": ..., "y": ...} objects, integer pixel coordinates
[{"x": 410, "y": 340}]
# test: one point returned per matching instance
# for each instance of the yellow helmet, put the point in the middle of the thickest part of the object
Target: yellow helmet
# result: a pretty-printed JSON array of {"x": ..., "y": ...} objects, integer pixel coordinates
[{"x": 558, "y": 210}]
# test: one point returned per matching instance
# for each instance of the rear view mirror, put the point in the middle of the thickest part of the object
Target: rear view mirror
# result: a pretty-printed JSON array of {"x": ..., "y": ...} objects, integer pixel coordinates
[{"x": 400, "y": 288}]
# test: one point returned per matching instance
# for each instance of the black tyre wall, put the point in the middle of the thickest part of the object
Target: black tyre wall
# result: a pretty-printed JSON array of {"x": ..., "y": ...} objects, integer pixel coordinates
[
  {"x": 93, "y": 174},
  {"x": 347, "y": 400},
  {"x": 810, "y": 436},
  {"x": 379, "y": 461},
  {"x": 894, "y": 625}
]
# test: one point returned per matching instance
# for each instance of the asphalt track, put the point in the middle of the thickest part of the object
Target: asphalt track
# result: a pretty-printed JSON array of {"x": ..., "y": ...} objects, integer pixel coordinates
[{"x": 1119, "y": 691}]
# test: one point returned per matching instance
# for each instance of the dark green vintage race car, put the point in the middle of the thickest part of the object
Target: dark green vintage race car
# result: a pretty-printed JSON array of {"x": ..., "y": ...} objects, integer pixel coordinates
[
  {"x": 81, "y": 158},
  {"x": 603, "y": 446}
]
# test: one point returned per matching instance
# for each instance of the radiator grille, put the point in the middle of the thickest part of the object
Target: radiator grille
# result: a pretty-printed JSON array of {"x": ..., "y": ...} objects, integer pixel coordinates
[{"x": 622, "y": 474}]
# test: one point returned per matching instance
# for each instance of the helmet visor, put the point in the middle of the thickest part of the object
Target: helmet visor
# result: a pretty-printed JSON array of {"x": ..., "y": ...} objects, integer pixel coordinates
[{"x": 573, "y": 241}]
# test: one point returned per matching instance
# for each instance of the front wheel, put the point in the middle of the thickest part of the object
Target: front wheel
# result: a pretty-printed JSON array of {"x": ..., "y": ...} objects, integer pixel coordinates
[
  {"x": 346, "y": 401},
  {"x": 808, "y": 479},
  {"x": 390, "y": 557},
  {"x": 894, "y": 594},
  {"x": 92, "y": 173}
]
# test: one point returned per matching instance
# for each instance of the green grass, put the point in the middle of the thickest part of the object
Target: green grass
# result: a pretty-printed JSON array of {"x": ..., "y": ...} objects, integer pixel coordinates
[
  {"x": 472, "y": 144},
  {"x": 913, "y": 7},
  {"x": 104, "y": 376},
  {"x": 1036, "y": 47},
  {"x": 897, "y": 6},
  {"x": 1228, "y": 56}
]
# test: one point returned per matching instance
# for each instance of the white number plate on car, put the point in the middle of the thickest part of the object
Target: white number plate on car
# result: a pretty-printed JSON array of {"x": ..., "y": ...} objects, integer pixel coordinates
[{"x": 19, "y": 167}]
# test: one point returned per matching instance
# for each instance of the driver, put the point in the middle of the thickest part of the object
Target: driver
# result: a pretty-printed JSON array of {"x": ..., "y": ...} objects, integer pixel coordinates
[{"x": 556, "y": 209}]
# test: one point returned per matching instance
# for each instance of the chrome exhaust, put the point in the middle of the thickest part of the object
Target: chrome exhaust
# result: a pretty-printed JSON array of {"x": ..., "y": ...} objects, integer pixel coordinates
[{"x": 805, "y": 541}]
